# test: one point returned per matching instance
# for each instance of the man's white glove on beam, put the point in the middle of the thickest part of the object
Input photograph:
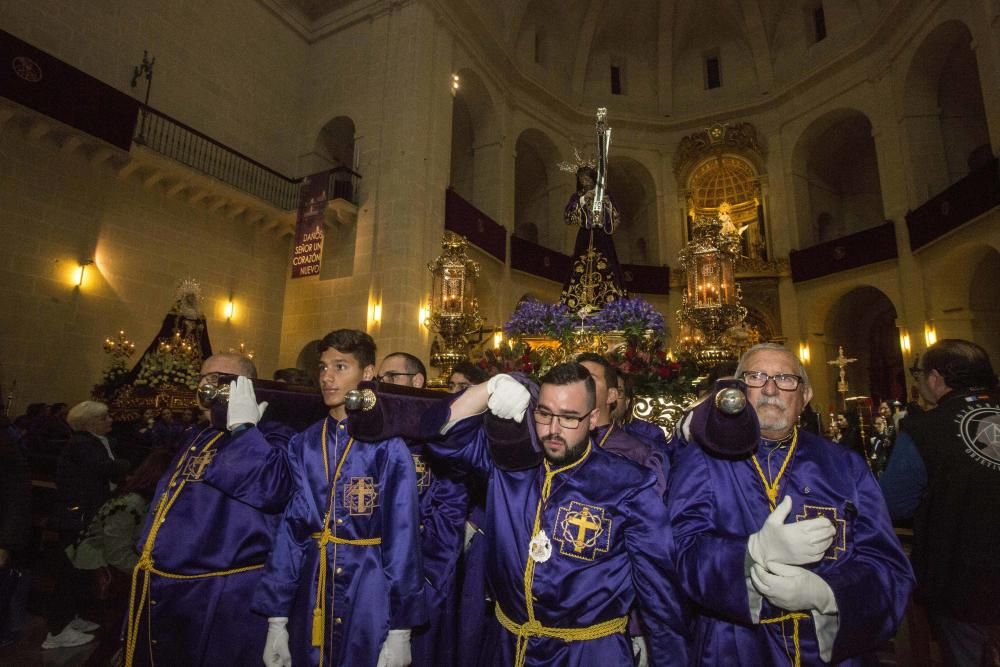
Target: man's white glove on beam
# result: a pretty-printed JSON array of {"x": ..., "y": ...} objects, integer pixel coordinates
[
  {"x": 276, "y": 647},
  {"x": 243, "y": 407},
  {"x": 395, "y": 650},
  {"x": 508, "y": 398},
  {"x": 795, "y": 543}
]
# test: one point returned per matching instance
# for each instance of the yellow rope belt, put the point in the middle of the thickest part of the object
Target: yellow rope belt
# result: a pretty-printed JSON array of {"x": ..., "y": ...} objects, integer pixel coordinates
[
  {"x": 524, "y": 631},
  {"x": 794, "y": 617},
  {"x": 319, "y": 611},
  {"x": 145, "y": 564}
]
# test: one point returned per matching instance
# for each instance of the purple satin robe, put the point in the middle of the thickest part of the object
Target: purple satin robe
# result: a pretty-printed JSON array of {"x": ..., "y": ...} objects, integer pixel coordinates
[
  {"x": 630, "y": 558},
  {"x": 620, "y": 442},
  {"x": 205, "y": 621},
  {"x": 443, "y": 507},
  {"x": 716, "y": 504},
  {"x": 369, "y": 589}
]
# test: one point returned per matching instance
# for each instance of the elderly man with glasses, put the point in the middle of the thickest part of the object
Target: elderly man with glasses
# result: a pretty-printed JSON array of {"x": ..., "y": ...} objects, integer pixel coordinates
[{"x": 787, "y": 551}]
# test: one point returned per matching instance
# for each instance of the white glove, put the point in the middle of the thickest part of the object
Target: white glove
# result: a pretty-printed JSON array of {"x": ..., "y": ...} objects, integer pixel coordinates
[
  {"x": 790, "y": 543},
  {"x": 243, "y": 408},
  {"x": 794, "y": 588},
  {"x": 508, "y": 398},
  {"x": 640, "y": 652},
  {"x": 395, "y": 650},
  {"x": 470, "y": 532},
  {"x": 276, "y": 647}
]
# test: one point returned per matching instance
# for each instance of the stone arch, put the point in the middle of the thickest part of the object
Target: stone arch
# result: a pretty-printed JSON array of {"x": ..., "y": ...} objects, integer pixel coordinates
[
  {"x": 944, "y": 120},
  {"x": 965, "y": 296},
  {"x": 729, "y": 184},
  {"x": 852, "y": 197},
  {"x": 862, "y": 319},
  {"x": 631, "y": 185},
  {"x": 308, "y": 360},
  {"x": 537, "y": 188},
  {"x": 475, "y": 144}
]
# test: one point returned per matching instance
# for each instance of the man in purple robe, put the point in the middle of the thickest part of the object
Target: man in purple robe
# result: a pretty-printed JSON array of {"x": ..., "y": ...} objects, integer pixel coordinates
[
  {"x": 207, "y": 535},
  {"x": 608, "y": 435},
  {"x": 787, "y": 551},
  {"x": 443, "y": 507},
  {"x": 344, "y": 583},
  {"x": 575, "y": 537}
]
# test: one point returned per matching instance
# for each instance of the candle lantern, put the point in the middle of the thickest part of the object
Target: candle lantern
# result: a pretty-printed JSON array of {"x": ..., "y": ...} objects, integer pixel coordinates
[
  {"x": 454, "y": 312},
  {"x": 712, "y": 302}
]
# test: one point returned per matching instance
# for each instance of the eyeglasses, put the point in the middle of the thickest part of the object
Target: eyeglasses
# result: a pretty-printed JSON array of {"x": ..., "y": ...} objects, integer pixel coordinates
[
  {"x": 544, "y": 417},
  {"x": 783, "y": 381},
  {"x": 916, "y": 372},
  {"x": 390, "y": 377}
]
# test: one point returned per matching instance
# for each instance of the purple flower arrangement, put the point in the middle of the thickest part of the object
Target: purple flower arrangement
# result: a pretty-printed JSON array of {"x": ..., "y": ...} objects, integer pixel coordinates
[
  {"x": 534, "y": 318},
  {"x": 634, "y": 316}
]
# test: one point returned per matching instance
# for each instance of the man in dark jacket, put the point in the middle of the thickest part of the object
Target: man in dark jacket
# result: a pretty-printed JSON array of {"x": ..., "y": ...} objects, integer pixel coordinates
[{"x": 945, "y": 472}]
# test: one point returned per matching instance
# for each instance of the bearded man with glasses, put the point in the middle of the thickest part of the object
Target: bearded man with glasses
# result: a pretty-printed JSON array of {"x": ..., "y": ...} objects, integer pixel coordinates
[
  {"x": 787, "y": 551},
  {"x": 576, "y": 535}
]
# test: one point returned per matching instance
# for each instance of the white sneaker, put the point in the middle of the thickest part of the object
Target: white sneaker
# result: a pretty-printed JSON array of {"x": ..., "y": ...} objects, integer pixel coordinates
[
  {"x": 83, "y": 625},
  {"x": 68, "y": 637}
]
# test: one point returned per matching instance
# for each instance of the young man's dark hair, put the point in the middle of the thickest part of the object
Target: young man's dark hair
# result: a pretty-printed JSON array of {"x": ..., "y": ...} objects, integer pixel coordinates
[
  {"x": 570, "y": 372},
  {"x": 610, "y": 372},
  {"x": 474, "y": 373},
  {"x": 961, "y": 363},
  {"x": 350, "y": 341},
  {"x": 413, "y": 364}
]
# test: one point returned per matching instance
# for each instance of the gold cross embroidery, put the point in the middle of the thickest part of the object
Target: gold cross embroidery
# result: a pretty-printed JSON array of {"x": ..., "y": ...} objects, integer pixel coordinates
[
  {"x": 195, "y": 468},
  {"x": 582, "y": 531},
  {"x": 361, "y": 496}
]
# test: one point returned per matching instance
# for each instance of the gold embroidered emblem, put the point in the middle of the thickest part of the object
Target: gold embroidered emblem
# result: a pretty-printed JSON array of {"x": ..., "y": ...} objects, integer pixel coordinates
[
  {"x": 423, "y": 472},
  {"x": 360, "y": 496},
  {"x": 582, "y": 531},
  {"x": 195, "y": 467},
  {"x": 840, "y": 539}
]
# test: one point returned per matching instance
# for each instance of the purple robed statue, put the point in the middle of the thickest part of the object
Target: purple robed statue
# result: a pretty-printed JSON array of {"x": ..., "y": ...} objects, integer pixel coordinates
[{"x": 596, "y": 278}]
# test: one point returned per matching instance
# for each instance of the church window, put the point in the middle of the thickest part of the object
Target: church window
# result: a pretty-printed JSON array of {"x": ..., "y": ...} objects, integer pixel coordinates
[
  {"x": 819, "y": 23},
  {"x": 713, "y": 71},
  {"x": 616, "y": 80}
]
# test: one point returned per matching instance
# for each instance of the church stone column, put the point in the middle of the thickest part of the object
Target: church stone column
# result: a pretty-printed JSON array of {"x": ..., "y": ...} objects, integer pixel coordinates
[{"x": 411, "y": 169}]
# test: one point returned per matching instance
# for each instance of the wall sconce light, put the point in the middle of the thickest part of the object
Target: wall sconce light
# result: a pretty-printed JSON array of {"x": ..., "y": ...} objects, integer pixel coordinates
[
  {"x": 83, "y": 268},
  {"x": 230, "y": 309},
  {"x": 497, "y": 339},
  {"x": 425, "y": 313},
  {"x": 904, "y": 341},
  {"x": 455, "y": 84},
  {"x": 804, "y": 353},
  {"x": 930, "y": 334},
  {"x": 376, "y": 312}
]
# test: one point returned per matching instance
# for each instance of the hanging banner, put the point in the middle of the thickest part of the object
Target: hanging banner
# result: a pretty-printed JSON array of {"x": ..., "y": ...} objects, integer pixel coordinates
[{"x": 307, "y": 255}]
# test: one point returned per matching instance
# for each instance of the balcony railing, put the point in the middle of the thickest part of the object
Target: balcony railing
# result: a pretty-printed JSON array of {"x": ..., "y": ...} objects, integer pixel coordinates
[
  {"x": 344, "y": 184},
  {"x": 174, "y": 139},
  {"x": 966, "y": 199},
  {"x": 848, "y": 252}
]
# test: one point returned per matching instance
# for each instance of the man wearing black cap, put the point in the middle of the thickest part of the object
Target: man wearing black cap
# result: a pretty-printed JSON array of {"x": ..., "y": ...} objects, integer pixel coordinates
[
  {"x": 784, "y": 545},
  {"x": 945, "y": 472}
]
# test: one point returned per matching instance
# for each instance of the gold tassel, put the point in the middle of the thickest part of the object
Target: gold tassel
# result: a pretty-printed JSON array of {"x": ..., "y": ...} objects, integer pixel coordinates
[{"x": 317, "y": 638}]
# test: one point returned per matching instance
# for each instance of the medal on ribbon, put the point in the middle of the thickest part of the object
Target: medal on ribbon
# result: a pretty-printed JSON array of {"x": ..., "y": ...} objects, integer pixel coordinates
[{"x": 540, "y": 547}]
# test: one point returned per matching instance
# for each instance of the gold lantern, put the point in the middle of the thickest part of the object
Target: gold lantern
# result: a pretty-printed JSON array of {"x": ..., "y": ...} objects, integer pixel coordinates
[
  {"x": 454, "y": 311},
  {"x": 712, "y": 300}
]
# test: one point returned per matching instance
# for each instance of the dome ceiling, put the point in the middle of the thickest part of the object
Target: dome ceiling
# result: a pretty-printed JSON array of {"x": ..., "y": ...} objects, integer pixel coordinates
[{"x": 651, "y": 56}]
